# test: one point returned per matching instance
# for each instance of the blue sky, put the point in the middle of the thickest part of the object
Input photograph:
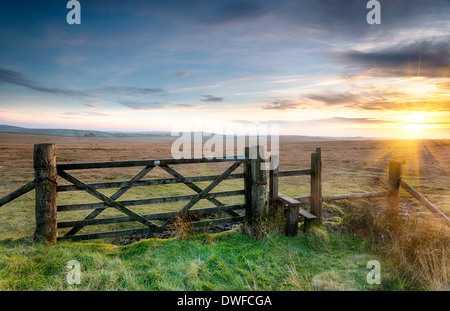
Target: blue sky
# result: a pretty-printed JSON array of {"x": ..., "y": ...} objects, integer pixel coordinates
[{"x": 313, "y": 67}]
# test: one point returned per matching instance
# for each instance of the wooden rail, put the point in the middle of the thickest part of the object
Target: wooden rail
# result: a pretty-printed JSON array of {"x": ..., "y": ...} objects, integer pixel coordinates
[{"x": 424, "y": 201}]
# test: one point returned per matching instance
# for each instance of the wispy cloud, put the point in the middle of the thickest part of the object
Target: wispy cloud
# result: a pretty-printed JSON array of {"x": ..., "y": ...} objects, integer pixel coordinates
[
  {"x": 16, "y": 78},
  {"x": 143, "y": 105},
  {"x": 283, "y": 104},
  {"x": 182, "y": 74},
  {"x": 211, "y": 99}
]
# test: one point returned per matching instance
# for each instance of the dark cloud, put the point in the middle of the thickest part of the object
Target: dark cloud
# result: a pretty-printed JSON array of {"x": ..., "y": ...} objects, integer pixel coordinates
[
  {"x": 16, "y": 78},
  {"x": 425, "y": 58},
  {"x": 211, "y": 99},
  {"x": 142, "y": 105}
]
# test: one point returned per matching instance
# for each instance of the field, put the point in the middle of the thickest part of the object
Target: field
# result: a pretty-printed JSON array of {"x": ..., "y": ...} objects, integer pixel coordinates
[{"x": 348, "y": 166}]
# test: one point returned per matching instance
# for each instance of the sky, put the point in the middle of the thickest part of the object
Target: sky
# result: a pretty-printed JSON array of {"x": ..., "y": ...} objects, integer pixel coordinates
[{"x": 311, "y": 67}]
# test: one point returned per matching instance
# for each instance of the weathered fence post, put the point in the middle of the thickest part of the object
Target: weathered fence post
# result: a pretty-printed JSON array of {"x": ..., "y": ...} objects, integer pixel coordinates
[
  {"x": 44, "y": 162},
  {"x": 248, "y": 188},
  {"x": 395, "y": 174},
  {"x": 292, "y": 219},
  {"x": 316, "y": 185},
  {"x": 273, "y": 185},
  {"x": 256, "y": 181}
]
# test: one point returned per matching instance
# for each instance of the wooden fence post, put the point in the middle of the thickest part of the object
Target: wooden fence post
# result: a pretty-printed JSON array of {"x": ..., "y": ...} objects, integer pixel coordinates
[
  {"x": 316, "y": 185},
  {"x": 273, "y": 185},
  {"x": 395, "y": 174},
  {"x": 255, "y": 197},
  {"x": 248, "y": 187},
  {"x": 44, "y": 162}
]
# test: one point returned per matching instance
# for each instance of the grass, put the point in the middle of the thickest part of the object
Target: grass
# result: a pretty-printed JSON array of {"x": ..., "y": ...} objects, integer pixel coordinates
[
  {"x": 419, "y": 243},
  {"x": 413, "y": 251},
  {"x": 319, "y": 260}
]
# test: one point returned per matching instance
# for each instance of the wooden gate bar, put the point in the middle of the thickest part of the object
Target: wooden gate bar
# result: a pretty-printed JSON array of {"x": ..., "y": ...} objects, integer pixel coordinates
[
  {"x": 194, "y": 187},
  {"x": 17, "y": 193},
  {"x": 114, "y": 197},
  {"x": 107, "y": 200},
  {"x": 130, "y": 163},
  {"x": 86, "y": 206},
  {"x": 116, "y": 233},
  {"x": 205, "y": 191},
  {"x": 149, "y": 182},
  {"x": 154, "y": 216}
]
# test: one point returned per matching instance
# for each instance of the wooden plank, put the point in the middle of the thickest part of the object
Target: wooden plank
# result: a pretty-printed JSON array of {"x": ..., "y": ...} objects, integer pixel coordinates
[
  {"x": 294, "y": 173},
  {"x": 154, "y": 216},
  {"x": 355, "y": 196},
  {"x": 105, "y": 235},
  {"x": 107, "y": 200},
  {"x": 150, "y": 182},
  {"x": 17, "y": 193},
  {"x": 305, "y": 214},
  {"x": 127, "y": 232},
  {"x": 424, "y": 201},
  {"x": 85, "y": 206},
  {"x": 205, "y": 191},
  {"x": 115, "y": 196},
  {"x": 288, "y": 200},
  {"x": 130, "y": 163}
]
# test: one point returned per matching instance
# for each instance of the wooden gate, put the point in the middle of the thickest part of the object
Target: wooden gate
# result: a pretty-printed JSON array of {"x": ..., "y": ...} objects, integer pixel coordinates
[{"x": 148, "y": 220}]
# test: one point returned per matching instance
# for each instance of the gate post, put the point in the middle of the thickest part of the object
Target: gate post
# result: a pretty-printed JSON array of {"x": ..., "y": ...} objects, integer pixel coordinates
[
  {"x": 255, "y": 186},
  {"x": 44, "y": 163},
  {"x": 316, "y": 185},
  {"x": 395, "y": 174},
  {"x": 273, "y": 185}
]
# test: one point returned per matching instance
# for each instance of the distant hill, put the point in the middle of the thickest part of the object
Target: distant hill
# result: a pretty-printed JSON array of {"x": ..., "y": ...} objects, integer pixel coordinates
[
  {"x": 77, "y": 133},
  {"x": 115, "y": 134}
]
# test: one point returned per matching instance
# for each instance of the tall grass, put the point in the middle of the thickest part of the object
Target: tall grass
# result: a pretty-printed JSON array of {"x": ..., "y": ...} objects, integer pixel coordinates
[{"x": 418, "y": 242}]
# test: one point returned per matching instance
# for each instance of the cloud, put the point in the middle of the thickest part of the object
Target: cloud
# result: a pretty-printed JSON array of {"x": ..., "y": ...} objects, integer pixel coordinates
[
  {"x": 424, "y": 58},
  {"x": 211, "y": 99},
  {"x": 283, "y": 104},
  {"x": 376, "y": 99},
  {"x": 129, "y": 91},
  {"x": 143, "y": 105},
  {"x": 182, "y": 74},
  {"x": 16, "y": 78},
  {"x": 86, "y": 114}
]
